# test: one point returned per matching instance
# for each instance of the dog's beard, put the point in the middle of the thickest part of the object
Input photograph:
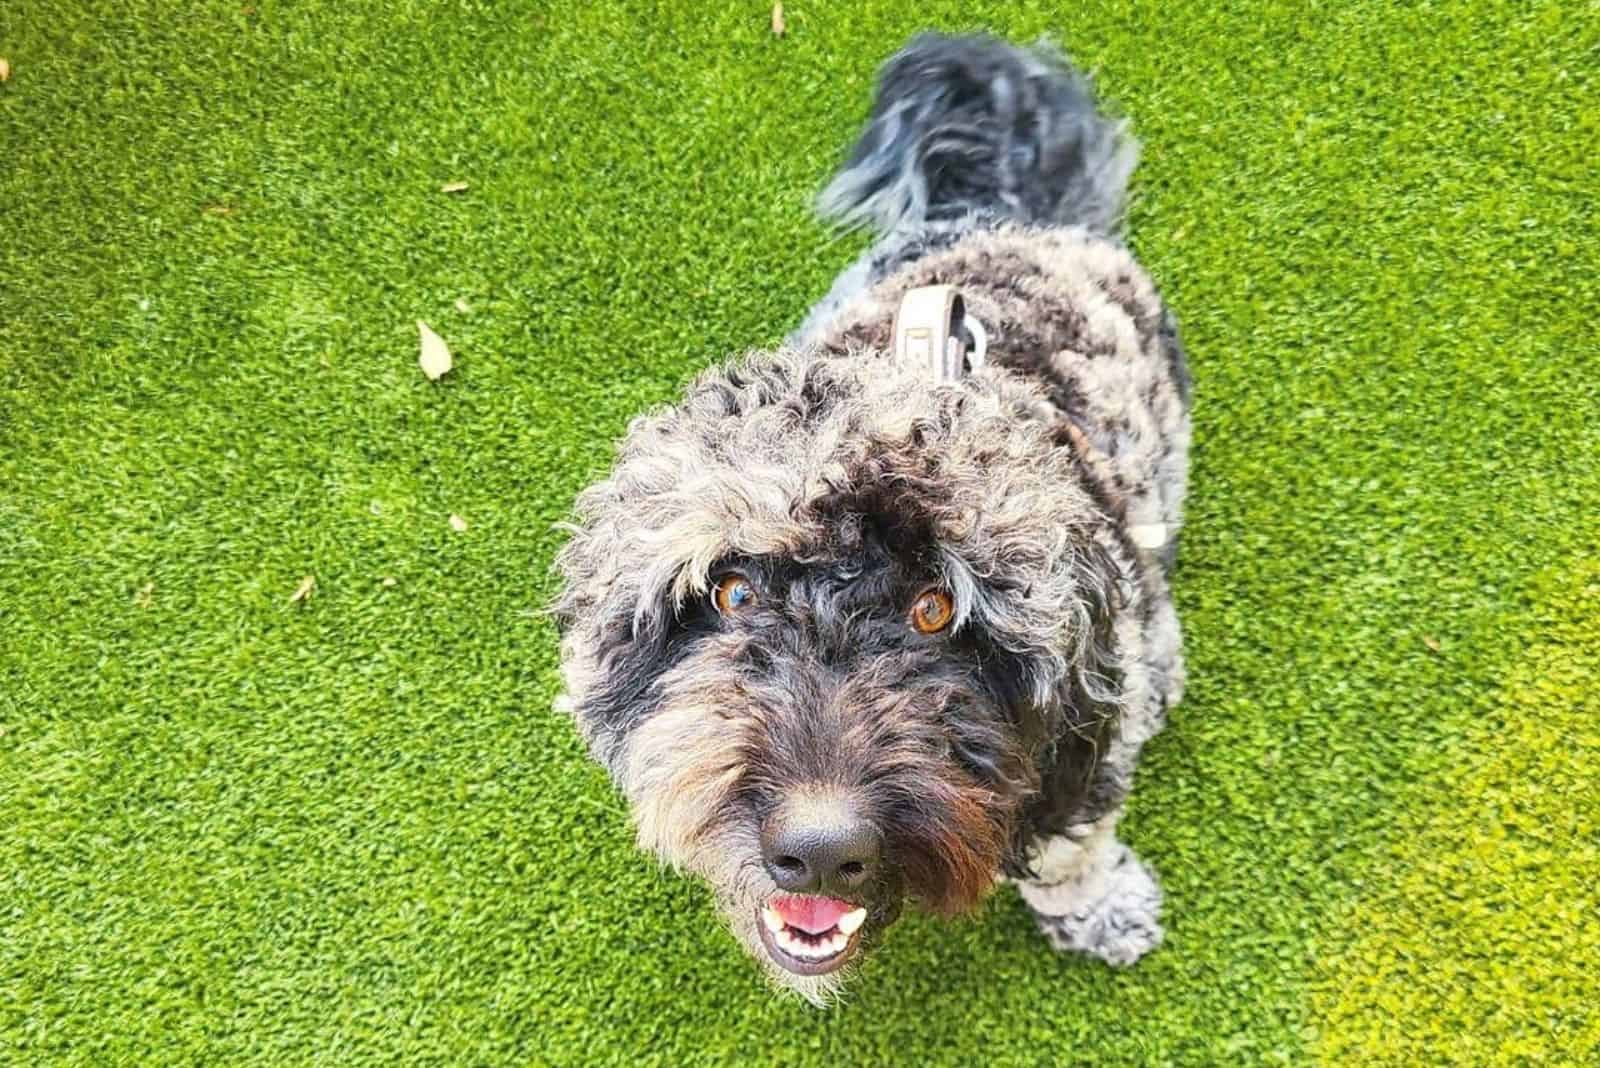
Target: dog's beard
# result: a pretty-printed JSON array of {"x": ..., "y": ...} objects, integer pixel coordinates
[
  {"x": 684, "y": 772},
  {"x": 680, "y": 772}
]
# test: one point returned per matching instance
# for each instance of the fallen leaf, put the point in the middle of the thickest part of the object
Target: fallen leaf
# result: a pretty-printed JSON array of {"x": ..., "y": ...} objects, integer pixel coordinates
[
  {"x": 142, "y": 598},
  {"x": 302, "y": 592},
  {"x": 457, "y": 524},
  {"x": 462, "y": 306},
  {"x": 778, "y": 25},
  {"x": 389, "y": 580},
  {"x": 5, "y": 69},
  {"x": 454, "y": 187},
  {"x": 220, "y": 210},
  {"x": 1431, "y": 642},
  {"x": 435, "y": 358}
]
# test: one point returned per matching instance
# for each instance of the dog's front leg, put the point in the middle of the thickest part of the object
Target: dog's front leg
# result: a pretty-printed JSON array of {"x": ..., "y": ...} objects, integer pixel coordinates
[{"x": 1093, "y": 895}]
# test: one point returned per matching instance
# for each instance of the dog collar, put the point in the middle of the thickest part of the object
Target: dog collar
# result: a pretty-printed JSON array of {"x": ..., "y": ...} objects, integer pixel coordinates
[{"x": 932, "y": 328}]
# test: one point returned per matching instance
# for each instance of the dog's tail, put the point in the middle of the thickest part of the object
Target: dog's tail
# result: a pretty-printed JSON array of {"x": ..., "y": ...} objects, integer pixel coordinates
[{"x": 973, "y": 126}]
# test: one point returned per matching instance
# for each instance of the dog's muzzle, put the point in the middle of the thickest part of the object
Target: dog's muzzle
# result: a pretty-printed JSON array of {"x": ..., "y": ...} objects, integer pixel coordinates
[{"x": 824, "y": 857}]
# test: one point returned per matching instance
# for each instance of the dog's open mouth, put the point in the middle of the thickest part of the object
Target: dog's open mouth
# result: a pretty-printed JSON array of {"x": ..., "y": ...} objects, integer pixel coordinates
[{"x": 809, "y": 934}]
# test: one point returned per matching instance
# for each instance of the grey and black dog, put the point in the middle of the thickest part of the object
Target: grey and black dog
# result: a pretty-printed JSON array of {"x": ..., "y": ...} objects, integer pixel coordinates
[{"x": 846, "y": 636}]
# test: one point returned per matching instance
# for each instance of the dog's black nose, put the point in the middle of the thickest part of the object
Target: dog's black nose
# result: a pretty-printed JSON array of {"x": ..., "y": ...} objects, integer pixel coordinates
[{"x": 820, "y": 849}]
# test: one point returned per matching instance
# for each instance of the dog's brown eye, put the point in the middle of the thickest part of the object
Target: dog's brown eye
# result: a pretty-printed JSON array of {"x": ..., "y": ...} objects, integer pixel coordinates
[
  {"x": 733, "y": 593},
  {"x": 933, "y": 611}
]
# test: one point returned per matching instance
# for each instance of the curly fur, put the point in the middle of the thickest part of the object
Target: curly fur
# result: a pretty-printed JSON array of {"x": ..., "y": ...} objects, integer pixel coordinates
[{"x": 841, "y": 483}]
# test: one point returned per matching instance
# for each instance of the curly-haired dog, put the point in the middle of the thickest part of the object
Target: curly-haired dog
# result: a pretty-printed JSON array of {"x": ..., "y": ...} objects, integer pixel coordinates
[{"x": 849, "y": 632}]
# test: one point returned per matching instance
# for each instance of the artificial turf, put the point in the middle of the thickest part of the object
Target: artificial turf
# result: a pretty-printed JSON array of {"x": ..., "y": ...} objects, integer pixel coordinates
[{"x": 240, "y": 829}]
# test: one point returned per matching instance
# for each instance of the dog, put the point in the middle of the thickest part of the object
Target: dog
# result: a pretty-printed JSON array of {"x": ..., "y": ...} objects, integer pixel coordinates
[{"x": 883, "y": 616}]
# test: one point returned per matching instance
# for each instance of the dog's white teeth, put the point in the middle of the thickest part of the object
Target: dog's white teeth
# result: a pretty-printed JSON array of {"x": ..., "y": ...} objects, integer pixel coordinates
[
  {"x": 816, "y": 950},
  {"x": 796, "y": 946},
  {"x": 808, "y": 946}
]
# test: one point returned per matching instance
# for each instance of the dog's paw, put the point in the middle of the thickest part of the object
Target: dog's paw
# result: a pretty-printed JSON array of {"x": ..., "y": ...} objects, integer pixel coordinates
[{"x": 1111, "y": 912}]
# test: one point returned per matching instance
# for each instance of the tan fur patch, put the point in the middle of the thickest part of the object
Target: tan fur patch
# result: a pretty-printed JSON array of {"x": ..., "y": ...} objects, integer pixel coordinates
[{"x": 681, "y": 765}]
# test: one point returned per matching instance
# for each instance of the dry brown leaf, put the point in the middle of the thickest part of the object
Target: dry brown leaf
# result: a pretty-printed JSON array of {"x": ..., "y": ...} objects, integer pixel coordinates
[
  {"x": 1431, "y": 642},
  {"x": 5, "y": 69},
  {"x": 462, "y": 306},
  {"x": 778, "y": 25},
  {"x": 457, "y": 524},
  {"x": 457, "y": 186},
  {"x": 435, "y": 357},
  {"x": 302, "y": 592}
]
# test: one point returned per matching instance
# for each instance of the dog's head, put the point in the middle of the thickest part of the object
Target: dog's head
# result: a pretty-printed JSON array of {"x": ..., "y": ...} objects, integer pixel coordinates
[{"x": 831, "y": 627}]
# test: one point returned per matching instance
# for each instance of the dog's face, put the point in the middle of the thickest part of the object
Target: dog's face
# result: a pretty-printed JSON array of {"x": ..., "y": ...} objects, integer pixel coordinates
[{"x": 825, "y": 624}]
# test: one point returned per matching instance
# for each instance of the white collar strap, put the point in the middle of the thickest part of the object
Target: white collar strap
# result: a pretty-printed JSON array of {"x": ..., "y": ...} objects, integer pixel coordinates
[{"x": 932, "y": 329}]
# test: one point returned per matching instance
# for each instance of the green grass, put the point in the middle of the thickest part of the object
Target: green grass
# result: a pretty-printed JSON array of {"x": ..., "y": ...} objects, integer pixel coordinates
[
  {"x": 239, "y": 830},
  {"x": 1505, "y": 971}
]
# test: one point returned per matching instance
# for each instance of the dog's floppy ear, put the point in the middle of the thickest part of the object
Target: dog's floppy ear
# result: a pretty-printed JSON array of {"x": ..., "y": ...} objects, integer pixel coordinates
[
  {"x": 642, "y": 549},
  {"x": 689, "y": 482},
  {"x": 1075, "y": 781},
  {"x": 616, "y": 619}
]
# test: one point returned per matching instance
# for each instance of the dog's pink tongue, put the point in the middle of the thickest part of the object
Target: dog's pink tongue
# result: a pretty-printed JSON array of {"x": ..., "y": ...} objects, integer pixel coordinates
[{"x": 810, "y": 914}]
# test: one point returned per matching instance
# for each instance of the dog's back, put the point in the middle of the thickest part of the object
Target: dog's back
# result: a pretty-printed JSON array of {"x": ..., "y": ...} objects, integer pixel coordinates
[{"x": 988, "y": 166}]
